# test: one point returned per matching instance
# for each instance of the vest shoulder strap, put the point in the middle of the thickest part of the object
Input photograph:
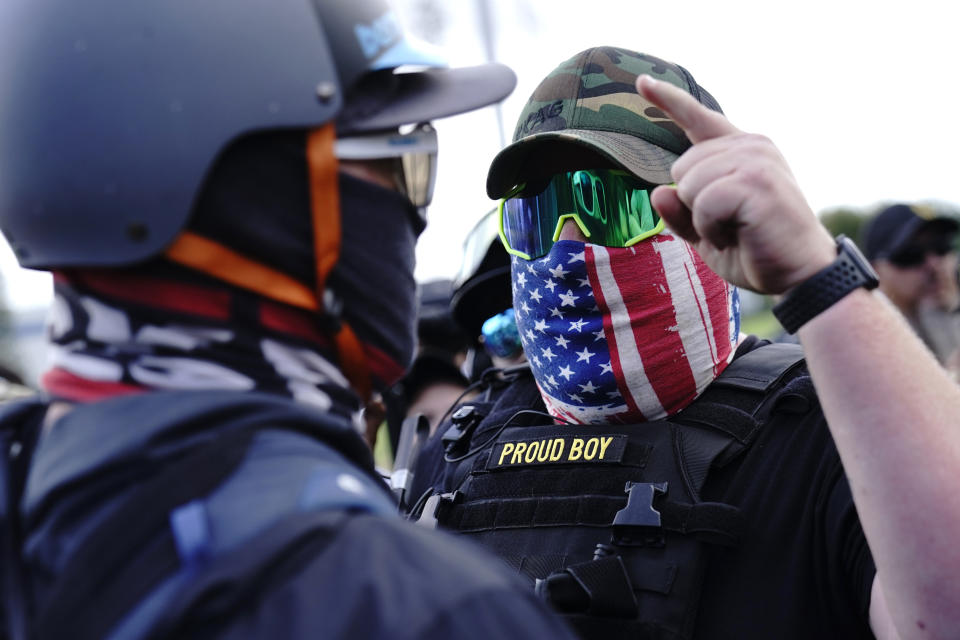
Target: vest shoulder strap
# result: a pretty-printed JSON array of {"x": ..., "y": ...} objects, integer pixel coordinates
[
  {"x": 761, "y": 368},
  {"x": 752, "y": 387}
]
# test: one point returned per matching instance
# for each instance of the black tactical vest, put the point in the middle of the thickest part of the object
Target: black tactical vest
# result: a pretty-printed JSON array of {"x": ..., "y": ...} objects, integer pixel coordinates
[{"x": 606, "y": 522}]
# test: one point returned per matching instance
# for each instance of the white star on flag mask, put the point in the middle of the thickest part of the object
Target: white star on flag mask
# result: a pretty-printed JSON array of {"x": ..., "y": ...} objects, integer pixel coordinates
[{"x": 623, "y": 335}]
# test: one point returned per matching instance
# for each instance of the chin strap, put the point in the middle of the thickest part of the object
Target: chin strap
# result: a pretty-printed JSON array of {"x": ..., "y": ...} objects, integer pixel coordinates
[{"x": 214, "y": 259}]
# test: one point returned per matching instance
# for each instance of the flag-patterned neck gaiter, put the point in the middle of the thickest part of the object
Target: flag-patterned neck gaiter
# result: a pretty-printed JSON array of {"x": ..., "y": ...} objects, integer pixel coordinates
[
  {"x": 623, "y": 335},
  {"x": 118, "y": 332}
]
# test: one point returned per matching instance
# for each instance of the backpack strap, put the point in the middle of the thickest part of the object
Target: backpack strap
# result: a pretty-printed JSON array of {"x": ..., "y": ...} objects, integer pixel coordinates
[
  {"x": 134, "y": 549},
  {"x": 234, "y": 580},
  {"x": 20, "y": 424}
]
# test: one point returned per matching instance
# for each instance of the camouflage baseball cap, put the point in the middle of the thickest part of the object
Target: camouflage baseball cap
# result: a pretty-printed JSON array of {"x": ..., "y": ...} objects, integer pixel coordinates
[{"x": 588, "y": 110}]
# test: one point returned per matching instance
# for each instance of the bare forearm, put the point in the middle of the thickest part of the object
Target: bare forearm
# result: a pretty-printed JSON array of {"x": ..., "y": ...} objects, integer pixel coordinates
[{"x": 894, "y": 415}]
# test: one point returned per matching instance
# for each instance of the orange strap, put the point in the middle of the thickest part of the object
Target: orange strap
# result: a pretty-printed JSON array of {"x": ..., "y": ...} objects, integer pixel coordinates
[
  {"x": 325, "y": 209},
  {"x": 324, "y": 200},
  {"x": 223, "y": 263}
]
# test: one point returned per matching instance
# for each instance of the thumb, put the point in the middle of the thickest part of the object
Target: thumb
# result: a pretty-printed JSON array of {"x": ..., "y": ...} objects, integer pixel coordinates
[{"x": 697, "y": 121}]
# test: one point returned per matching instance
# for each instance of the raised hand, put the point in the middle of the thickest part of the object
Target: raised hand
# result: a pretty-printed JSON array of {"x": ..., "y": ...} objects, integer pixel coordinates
[{"x": 736, "y": 200}]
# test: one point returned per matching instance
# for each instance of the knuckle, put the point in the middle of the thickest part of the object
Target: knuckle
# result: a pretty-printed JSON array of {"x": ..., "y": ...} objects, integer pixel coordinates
[{"x": 756, "y": 175}]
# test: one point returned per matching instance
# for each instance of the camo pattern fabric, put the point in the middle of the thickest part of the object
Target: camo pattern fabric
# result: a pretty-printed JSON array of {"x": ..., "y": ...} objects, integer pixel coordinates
[{"x": 595, "y": 90}]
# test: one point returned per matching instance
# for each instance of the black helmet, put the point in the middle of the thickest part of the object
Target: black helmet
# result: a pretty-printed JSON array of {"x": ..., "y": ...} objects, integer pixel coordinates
[
  {"x": 483, "y": 284},
  {"x": 113, "y": 111}
]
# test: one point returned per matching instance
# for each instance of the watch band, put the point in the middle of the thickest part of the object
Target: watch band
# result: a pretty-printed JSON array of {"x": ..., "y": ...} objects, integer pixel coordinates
[{"x": 848, "y": 272}]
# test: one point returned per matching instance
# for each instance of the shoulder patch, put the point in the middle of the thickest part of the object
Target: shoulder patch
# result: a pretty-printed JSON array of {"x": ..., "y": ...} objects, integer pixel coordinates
[{"x": 558, "y": 450}]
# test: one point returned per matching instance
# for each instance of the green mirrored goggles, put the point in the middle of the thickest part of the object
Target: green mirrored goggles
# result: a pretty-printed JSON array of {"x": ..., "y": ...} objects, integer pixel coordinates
[{"x": 611, "y": 207}]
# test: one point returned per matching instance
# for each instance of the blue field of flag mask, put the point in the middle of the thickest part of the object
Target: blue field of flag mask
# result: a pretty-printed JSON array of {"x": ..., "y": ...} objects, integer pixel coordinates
[{"x": 611, "y": 207}]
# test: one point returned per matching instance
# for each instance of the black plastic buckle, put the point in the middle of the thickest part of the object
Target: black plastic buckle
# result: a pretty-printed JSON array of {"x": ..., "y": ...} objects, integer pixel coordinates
[
  {"x": 435, "y": 507},
  {"x": 638, "y": 524},
  {"x": 464, "y": 420}
]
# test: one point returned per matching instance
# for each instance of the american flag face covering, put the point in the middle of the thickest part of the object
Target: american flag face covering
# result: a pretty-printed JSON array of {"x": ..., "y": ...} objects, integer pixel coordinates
[{"x": 623, "y": 335}]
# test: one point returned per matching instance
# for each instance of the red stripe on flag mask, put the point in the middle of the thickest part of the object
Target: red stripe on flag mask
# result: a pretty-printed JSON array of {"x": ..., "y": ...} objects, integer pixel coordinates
[{"x": 623, "y": 335}]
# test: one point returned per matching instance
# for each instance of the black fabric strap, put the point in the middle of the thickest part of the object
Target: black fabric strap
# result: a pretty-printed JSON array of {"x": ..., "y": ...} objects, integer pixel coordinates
[
  {"x": 712, "y": 522},
  {"x": 738, "y": 402},
  {"x": 14, "y": 601},
  {"x": 761, "y": 368},
  {"x": 848, "y": 272},
  {"x": 115, "y": 563},
  {"x": 514, "y": 513},
  {"x": 709, "y": 521},
  {"x": 732, "y": 421},
  {"x": 21, "y": 423}
]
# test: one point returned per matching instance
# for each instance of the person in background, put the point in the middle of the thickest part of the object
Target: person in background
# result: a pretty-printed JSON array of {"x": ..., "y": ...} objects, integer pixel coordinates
[
  {"x": 432, "y": 385},
  {"x": 482, "y": 303},
  {"x": 230, "y": 209},
  {"x": 434, "y": 379},
  {"x": 914, "y": 251}
]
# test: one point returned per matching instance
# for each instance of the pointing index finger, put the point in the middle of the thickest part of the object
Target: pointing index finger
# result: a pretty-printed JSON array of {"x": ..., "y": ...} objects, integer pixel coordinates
[{"x": 699, "y": 122}]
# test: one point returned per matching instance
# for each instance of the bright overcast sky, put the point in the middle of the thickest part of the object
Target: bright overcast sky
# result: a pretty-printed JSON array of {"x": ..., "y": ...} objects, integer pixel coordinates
[{"x": 861, "y": 97}]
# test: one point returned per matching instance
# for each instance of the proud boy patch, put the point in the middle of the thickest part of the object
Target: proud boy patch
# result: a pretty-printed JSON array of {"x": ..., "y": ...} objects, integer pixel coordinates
[{"x": 558, "y": 450}]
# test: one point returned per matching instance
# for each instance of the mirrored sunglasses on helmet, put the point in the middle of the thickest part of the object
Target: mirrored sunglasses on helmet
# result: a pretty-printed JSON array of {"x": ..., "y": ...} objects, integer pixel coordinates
[
  {"x": 414, "y": 153},
  {"x": 501, "y": 336},
  {"x": 611, "y": 207},
  {"x": 916, "y": 254}
]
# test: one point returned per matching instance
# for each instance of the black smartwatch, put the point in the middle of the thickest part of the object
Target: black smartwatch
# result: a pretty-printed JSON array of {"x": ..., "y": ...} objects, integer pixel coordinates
[{"x": 848, "y": 272}]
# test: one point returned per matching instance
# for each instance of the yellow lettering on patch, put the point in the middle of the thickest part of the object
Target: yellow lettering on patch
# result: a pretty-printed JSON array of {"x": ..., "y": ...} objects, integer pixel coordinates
[
  {"x": 566, "y": 449},
  {"x": 576, "y": 449},
  {"x": 518, "y": 453},
  {"x": 544, "y": 453},
  {"x": 604, "y": 443},
  {"x": 532, "y": 449},
  {"x": 590, "y": 450},
  {"x": 556, "y": 449}
]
